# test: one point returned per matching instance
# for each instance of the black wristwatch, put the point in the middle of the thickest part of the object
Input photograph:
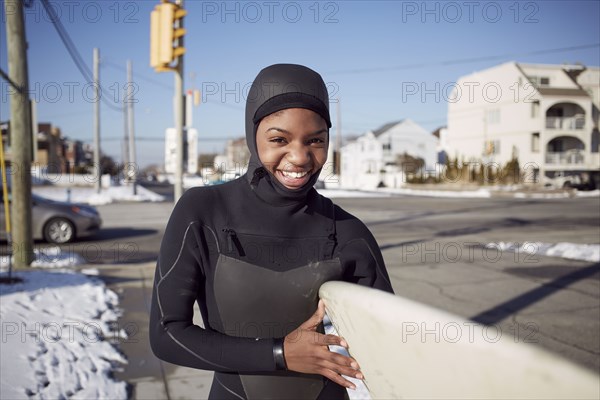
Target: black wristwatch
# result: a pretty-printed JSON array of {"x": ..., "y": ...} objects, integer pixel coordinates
[{"x": 278, "y": 354}]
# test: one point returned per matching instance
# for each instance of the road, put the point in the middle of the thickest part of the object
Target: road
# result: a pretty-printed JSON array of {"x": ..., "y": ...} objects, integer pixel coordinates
[{"x": 435, "y": 254}]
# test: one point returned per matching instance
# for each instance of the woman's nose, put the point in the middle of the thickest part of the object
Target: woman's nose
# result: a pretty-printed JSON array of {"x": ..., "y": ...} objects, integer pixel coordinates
[{"x": 299, "y": 154}]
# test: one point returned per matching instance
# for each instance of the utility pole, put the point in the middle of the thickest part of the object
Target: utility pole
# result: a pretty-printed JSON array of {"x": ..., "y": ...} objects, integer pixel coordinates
[
  {"x": 97, "y": 118},
  {"x": 125, "y": 143},
  {"x": 132, "y": 162},
  {"x": 166, "y": 47},
  {"x": 21, "y": 134},
  {"x": 178, "y": 104},
  {"x": 338, "y": 138}
]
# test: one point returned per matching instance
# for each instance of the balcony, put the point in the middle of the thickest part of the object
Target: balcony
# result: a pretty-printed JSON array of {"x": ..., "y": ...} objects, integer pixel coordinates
[
  {"x": 566, "y": 123},
  {"x": 570, "y": 157}
]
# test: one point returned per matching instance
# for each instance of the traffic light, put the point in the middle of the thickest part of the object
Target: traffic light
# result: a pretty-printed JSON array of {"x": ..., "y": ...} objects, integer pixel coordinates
[{"x": 165, "y": 33}]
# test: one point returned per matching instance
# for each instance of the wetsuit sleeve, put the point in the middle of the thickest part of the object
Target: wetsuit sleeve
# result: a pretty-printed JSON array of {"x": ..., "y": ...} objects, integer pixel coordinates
[
  {"x": 179, "y": 277},
  {"x": 363, "y": 256}
]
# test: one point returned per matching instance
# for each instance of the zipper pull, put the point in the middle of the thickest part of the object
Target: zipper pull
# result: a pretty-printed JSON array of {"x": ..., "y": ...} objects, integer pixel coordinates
[{"x": 230, "y": 236}]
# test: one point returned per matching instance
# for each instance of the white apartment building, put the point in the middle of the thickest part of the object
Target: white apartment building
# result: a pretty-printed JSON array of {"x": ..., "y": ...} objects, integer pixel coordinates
[
  {"x": 546, "y": 115},
  {"x": 372, "y": 158}
]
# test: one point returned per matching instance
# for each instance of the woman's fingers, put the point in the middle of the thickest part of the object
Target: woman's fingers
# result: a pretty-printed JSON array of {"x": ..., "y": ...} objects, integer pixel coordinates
[
  {"x": 337, "y": 378},
  {"x": 332, "y": 340},
  {"x": 343, "y": 362},
  {"x": 342, "y": 369}
]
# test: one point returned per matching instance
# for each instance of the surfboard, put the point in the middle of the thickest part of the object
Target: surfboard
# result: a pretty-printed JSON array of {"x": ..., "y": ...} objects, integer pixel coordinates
[{"x": 408, "y": 350}]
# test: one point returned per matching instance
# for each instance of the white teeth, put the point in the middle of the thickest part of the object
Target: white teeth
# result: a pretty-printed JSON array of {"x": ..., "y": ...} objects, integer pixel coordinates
[{"x": 294, "y": 175}]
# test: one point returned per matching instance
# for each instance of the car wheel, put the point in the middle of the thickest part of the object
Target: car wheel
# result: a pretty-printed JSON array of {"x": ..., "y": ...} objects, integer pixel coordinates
[{"x": 59, "y": 230}]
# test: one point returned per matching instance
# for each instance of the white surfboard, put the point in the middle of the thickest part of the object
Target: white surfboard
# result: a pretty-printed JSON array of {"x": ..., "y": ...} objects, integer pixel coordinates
[{"x": 408, "y": 350}]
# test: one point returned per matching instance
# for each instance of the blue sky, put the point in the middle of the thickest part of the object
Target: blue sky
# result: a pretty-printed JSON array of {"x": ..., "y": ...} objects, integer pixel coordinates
[{"x": 366, "y": 51}]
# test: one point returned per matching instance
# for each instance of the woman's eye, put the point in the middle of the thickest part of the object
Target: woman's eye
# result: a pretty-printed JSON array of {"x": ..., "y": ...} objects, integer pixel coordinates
[
  {"x": 316, "y": 140},
  {"x": 277, "y": 140}
]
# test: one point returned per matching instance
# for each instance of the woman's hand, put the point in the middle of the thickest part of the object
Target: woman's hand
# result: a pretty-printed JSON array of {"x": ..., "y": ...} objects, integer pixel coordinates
[{"x": 306, "y": 351}]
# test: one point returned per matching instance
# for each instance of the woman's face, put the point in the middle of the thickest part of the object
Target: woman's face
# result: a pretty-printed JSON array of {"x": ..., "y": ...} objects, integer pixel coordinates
[{"x": 292, "y": 145}]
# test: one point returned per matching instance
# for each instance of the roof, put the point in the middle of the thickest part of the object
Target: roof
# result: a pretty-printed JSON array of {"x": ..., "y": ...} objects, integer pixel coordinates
[
  {"x": 562, "y": 92},
  {"x": 386, "y": 127}
]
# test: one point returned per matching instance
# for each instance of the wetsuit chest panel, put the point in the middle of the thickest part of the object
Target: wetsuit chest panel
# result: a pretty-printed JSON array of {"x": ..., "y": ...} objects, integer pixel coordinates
[{"x": 259, "y": 302}]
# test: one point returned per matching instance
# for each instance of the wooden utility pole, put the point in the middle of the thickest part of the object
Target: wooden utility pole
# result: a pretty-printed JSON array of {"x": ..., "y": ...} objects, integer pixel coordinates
[
  {"x": 20, "y": 132},
  {"x": 131, "y": 147},
  {"x": 97, "y": 119}
]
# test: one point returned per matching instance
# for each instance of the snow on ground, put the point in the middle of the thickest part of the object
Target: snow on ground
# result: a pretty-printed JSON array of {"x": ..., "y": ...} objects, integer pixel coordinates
[
  {"x": 431, "y": 192},
  {"x": 49, "y": 257},
  {"x": 56, "y": 332},
  {"x": 88, "y": 194},
  {"x": 572, "y": 251},
  {"x": 337, "y": 193}
]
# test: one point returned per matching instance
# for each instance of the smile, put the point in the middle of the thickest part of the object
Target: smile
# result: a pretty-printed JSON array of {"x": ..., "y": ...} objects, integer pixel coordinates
[{"x": 294, "y": 175}]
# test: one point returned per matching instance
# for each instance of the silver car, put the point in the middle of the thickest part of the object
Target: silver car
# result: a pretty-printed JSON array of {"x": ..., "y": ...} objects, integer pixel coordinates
[{"x": 59, "y": 222}]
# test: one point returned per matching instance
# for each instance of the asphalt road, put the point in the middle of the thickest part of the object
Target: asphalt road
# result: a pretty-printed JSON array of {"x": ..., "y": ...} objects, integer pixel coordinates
[{"x": 435, "y": 253}]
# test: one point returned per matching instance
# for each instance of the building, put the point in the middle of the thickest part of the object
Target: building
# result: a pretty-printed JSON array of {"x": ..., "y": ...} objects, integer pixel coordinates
[
  {"x": 544, "y": 115},
  {"x": 51, "y": 151},
  {"x": 376, "y": 157}
]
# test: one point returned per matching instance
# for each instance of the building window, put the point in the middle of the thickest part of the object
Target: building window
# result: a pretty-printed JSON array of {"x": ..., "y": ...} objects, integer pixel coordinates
[
  {"x": 538, "y": 81},
  {"x": 387, "y": 146},
  {"x": 491, "y": 147},
  {"x": 535, "y": 109},
  {"x": 493, "y": 116},
  {"x": 535, "y": 142}
]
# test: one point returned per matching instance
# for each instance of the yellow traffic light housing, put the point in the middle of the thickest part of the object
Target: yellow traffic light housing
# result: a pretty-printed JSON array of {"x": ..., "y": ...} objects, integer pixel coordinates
[{"x": 166, "y": 33}]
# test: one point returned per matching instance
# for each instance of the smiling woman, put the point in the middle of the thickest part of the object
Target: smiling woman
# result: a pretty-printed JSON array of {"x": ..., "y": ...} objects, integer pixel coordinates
[
  {"x": 292, "y": 145},
  {"x": 253, "y": 253}
]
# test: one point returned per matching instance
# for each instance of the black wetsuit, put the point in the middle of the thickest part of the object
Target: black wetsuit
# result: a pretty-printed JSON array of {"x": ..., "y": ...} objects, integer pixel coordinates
[{"x": 253, "y": 256}]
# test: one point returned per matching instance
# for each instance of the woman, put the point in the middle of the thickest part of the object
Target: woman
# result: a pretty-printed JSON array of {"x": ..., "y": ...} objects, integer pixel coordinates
[{"x": 253, "y": 253}]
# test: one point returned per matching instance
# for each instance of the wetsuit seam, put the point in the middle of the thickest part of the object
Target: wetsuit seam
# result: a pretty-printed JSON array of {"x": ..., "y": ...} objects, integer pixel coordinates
[
  {"x": 162, "y": 314},
  {"x": 192, "y": 352},
  {"x": 214, "y": 236},
  {"x": 226, "y": 388},
  {"x": 178, "y": 255}
]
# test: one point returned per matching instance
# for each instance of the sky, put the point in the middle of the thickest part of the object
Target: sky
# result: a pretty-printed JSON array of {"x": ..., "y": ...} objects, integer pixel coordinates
[{"x": 371, "y": 54}]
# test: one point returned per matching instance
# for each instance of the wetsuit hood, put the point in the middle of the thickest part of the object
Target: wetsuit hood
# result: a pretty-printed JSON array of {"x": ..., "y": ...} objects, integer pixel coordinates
[{"x": 278, "y": 87}]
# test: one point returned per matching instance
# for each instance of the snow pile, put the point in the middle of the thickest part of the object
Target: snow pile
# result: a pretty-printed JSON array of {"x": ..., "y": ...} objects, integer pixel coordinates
[
  {"x": 590, "y": 193},
  {"x": 571, "y": 251},
  {"x": 88, "y": 195},
  {"x": 49, "y": 257},
  {"x": 56, "y": 333}
]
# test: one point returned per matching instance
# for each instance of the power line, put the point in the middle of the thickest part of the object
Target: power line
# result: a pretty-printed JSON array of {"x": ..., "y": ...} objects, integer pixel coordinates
[
  {"x": 74, "y": 53},
  {"x": 138, "y": 75},
  {"x": 462, "y": 60}
]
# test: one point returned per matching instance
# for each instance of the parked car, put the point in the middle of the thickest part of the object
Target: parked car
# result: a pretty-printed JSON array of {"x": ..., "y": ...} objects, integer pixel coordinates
[
  {"x": 564, "y": 180},
  {"x": 59, "y": 222}
]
